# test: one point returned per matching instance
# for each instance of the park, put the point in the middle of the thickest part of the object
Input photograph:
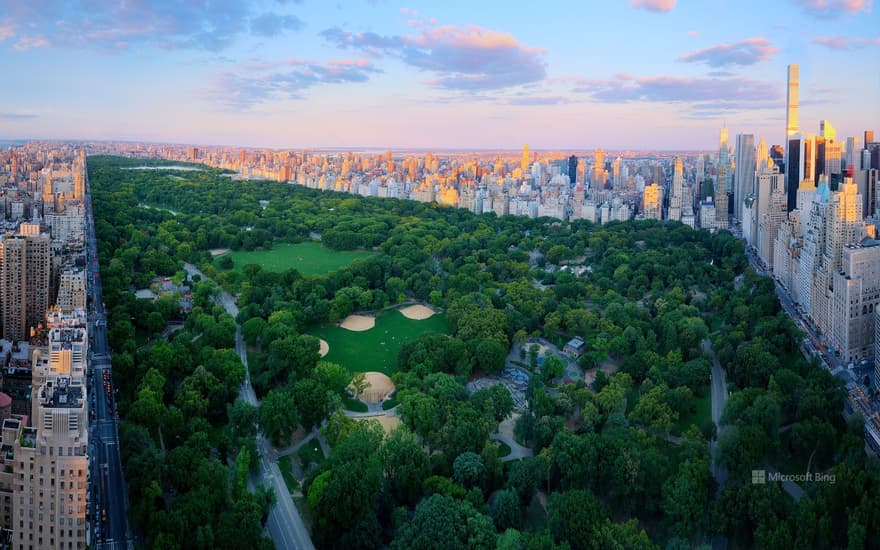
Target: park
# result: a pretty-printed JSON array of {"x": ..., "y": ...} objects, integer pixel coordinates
[
  {"x": 375, "y": 349},
  {"x": 309, "y": 258}
]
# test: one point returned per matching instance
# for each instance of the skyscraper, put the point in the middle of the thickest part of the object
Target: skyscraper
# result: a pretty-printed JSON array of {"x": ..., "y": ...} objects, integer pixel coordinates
[
  {"x": 599, "y": 169},
  {"x": 524, "y": 163},
  {"x": 791, "y": 102},
  {"x": 744, "y": 179},
  {"x": 676, "y": 192},
  {"x": 24, "y": 283},
  {"x": 721, "y": 177},
  {"x": 651, "y": 202},
  {"x": 572, "y": 169}
]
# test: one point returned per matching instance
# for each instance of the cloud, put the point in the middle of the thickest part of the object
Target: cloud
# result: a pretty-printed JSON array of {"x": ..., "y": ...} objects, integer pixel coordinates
[
  {"x": 744, "y": 52},
  {"x": 698, "y": 95},
  {"x": 462, "y": 58},
  {"x": 844, "y": 43},
  {"x": 693, "y": 33},
  {"x": 110, "y": 25},
  {"x": 272, "y": 24},
  {"x": 29, "y": 42},
  {"x": 17, "y": 116},
  {"x": 833, "y": 8},
  {"x": 6, "y": 31},
  {"x": 261, "y": 82},
  {"x": 659, "y": 6},
  {"x": 539, "y": 100}
]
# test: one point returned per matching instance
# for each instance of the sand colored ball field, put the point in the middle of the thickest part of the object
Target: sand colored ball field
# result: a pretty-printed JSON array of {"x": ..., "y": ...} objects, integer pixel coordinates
[
  {"x": 358, "y": 323},
  {"x": 324, "y": 349},
  {"x": 378, "y": 387},
  {"x": 417, "y": 312}
]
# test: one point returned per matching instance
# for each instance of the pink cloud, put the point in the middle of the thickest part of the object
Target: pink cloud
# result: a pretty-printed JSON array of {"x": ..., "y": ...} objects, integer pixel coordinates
[
  {"x": 659, "y": 6},
  {"x": 693, "y": 33},
  {"x": 744, "y": 52},
  {"x": 464, "y": 58},
  {"x": 6, "y": 31},
  {"x": 831, "y": 8},
  {"x": 28, "y": 42},
  {"x": 844, "y": 43}
]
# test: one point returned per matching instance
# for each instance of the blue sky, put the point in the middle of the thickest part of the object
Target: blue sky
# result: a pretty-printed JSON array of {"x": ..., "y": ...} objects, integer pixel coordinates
[{"x": 617, "y": 74}]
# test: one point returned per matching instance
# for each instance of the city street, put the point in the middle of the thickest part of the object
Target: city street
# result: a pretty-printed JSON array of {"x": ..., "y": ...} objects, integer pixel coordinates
[{"x": 109, "y": 501}]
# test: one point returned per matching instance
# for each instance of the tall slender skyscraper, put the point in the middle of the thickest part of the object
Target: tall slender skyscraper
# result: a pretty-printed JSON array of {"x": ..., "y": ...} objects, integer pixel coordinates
[
  {"x": 721, "y": 183},
  {"x": 676, "y": 192},
  {"x": 791, "y": 102},
  {"x": 524, "y": 164},
  {"x": 572, "y": 169},
  {"x": 744, "y": 180}
]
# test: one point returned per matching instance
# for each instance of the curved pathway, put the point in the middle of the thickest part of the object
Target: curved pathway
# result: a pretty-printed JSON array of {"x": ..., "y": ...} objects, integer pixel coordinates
[
  {"x": 284, "y": 524},
  {"x": 505, "y": 435}
]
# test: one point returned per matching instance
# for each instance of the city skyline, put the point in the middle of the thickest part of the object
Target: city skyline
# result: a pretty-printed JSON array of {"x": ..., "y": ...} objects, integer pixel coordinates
[{"x": 374, "y": 74}]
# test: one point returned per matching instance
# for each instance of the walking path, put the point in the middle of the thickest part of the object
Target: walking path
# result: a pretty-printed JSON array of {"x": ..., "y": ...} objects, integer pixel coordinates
[
  {"x": 505, "y": 435},
  {"x": 284, "y": 523}
]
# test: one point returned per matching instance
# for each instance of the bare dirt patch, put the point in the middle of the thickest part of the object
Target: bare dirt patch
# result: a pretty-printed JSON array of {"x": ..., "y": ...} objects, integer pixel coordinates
[
  {"x": 417, "y": 312},
  {"x": 379, "y": 386},
  {"x": 358, "y": 323},
  {"x": 324, "y": 349},
  {"x": 218, "y": 252}
]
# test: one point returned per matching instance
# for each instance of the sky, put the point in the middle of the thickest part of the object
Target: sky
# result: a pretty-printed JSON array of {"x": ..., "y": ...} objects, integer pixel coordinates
[{"x": 480, "y": 74}]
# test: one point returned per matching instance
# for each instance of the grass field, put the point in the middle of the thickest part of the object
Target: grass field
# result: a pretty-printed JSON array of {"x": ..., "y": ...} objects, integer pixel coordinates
[
  {"x": 309, "y": 258},
  {"x": 376, "y": 349}
]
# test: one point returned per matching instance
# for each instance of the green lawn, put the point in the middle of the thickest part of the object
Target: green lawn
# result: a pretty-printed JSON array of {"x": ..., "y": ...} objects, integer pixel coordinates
[
  {"x": 309, "y": 258},
  {"x": 376, "y": 349},
  {"x": 389, "y": 403}
]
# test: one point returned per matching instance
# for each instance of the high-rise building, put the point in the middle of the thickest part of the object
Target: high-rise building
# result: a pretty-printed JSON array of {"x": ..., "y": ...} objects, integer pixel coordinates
[
  {"x": 770, "y": 212},
  {"x": 71, "y": 290},
  {"x": 24, "y": 283},
  {"x": 791, "y": 102},
  {"x": 616, "y": 174},
  {"x": 826, "y": 130},
  {"x": 675, "y": 194},
  {"x": 762, "y": 155},
  {"x": 524, "y": 163},
  {"x": 793, "y": 175},
  {"x": 651, "y": 203},
  {"x": 572, "y": 169},
  {"x": 721, "y": 182},
  {"x": 598, "y": 178},
  {"x": 744, "y": 179},
  {"x": 815, "y": 236},
  {"x": 856, "y": 296},
  {"x": 832, "y": 158},
  {"x": 51, "y": 456}
]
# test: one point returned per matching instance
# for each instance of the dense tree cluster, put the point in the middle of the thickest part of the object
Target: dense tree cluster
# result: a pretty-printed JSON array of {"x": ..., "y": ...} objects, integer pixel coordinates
[{"x": 616, "y": 464}]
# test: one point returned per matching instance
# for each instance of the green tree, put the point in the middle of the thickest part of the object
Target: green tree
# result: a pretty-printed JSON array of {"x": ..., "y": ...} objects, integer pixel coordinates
[{"x": 278, "y": 416}]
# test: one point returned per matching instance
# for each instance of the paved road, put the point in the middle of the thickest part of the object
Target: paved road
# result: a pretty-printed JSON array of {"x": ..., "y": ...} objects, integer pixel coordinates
[
  {"x": 285, "y": 525},
  {"x": 505, "y": 435},
  {"x": 107, "y": 484},
  {"x": 719, "y": 397}
]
